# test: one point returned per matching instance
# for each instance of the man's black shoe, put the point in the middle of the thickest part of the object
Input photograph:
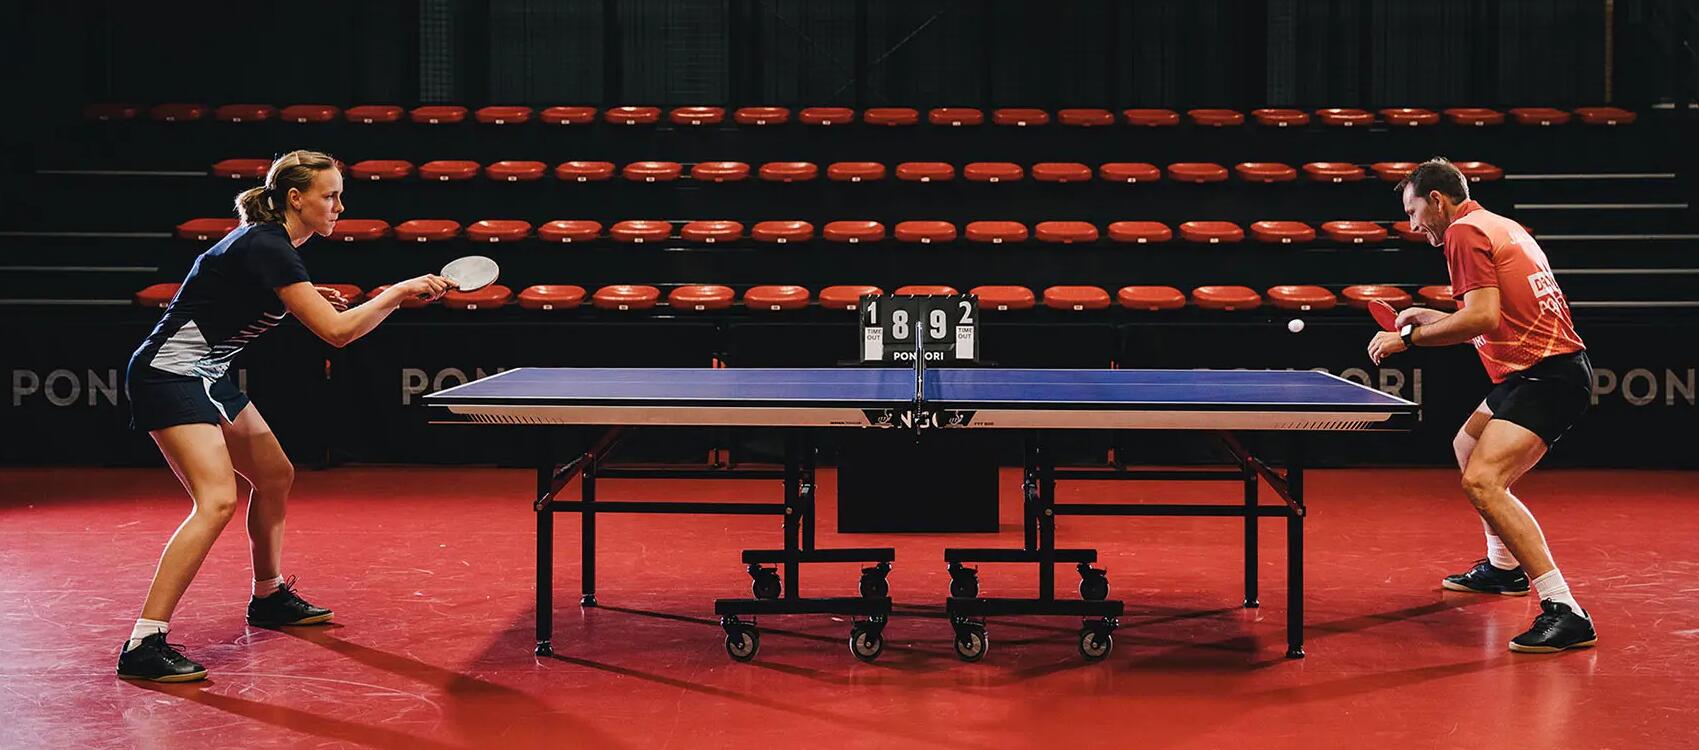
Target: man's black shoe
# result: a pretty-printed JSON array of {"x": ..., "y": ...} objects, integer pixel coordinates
[
  {"x": 1485, "y": 578},
  {"x": 284, "y": 607},
  {"x": 154, "y": 659},
  {"x": 1557, "y": 628}
]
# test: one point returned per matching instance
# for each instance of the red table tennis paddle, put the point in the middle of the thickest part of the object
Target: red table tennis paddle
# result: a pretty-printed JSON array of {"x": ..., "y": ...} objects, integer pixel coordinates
[{"x": 1384, "y": 314}]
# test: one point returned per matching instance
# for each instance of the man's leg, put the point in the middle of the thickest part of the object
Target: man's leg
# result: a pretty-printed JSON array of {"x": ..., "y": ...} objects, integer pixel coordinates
[{"x": 1498, "y": 572}]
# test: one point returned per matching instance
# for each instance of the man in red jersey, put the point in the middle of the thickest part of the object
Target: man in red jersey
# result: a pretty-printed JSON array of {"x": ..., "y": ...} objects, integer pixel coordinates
[{"x": 1511, "y": 309}]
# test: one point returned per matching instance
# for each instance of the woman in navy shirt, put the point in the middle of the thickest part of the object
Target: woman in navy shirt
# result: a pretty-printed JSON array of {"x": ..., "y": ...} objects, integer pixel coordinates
[{"x": 183, "y": 393}]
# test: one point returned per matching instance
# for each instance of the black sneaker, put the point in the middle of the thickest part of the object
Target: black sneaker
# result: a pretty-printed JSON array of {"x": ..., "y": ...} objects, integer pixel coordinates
[
  {"x": 1557, "y": 628},
  {"x": 284, "y": 607},
  {"x": 1485, "y": 578},
  {"x": 154, "y": 659}
]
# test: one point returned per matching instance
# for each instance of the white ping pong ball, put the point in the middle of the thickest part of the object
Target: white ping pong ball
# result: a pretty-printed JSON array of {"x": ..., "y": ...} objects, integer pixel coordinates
[{"x": 1295, "y": 325}]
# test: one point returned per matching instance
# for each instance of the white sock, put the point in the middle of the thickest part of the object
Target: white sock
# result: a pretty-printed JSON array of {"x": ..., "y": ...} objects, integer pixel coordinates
[
  {"x": 144, "y": 628},
  {"x": 1498, "y": 554},
  {"x": 1552, "y": 586},
  {"x": 267, "y": 587}
]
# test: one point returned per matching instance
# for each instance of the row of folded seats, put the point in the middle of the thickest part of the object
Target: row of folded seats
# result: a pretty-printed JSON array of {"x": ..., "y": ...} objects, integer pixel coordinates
[
  {"x": 776, "y": 298},
  {"x": 452, "y": 170},
  {"x": 640, "y": 231},
  {"x": 373, "y": 114}
]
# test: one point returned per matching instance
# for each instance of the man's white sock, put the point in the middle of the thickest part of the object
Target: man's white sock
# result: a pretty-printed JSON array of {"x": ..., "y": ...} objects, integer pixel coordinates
[
  {"x": 1552, "y": 586},
  {"x": 267, "y": 587},
  {"x": 144, "y": 628},
  {"x": 1498, "y": 554}
]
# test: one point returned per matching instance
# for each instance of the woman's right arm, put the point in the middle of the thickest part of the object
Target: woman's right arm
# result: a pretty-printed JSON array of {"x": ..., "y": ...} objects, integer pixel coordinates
[{"x": 340, "y": 328}]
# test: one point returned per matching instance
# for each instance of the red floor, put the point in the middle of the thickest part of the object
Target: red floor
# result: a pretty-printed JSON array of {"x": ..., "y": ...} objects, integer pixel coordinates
[{"x": 430, "y": 573}]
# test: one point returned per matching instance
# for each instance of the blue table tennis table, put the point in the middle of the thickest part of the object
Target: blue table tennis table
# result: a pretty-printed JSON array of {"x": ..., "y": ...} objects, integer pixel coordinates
[{"x": 1034, "y": 402}]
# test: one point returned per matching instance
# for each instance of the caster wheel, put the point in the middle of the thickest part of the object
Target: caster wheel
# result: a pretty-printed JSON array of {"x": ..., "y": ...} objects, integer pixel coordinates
[
  {"x": 766, "y": 584},
  {"x": 866, "y": 642},
  {"x": 1094, "y": 588},
  {"x": 742, "y": 642},
  {"x": 971, "y": 642},
  {"x": 1095, "y": 644}
]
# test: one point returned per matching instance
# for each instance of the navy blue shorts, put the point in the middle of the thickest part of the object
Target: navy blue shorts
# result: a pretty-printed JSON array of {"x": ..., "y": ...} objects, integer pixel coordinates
[{"x": 160, "y": 399}]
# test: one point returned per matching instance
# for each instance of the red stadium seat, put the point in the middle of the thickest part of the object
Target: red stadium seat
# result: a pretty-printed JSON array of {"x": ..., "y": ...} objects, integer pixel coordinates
[
  {"x": 552, "y": 297},
  {"x": 632, "y": 116},
  {"x": 925, "y": 232},
  {"x": 652, "y": 171},
  {"x": 584, "y": 171},
  {"x": 1345, "y": 118},
  {"x": 1605, "y": 116},
  {"x": 201, "y": 230},
  {"x": 110, "y": 111},
  {"x": 1280, "y": 118},
  {"x": 1474, "y": 116},
  {"x": 1055, "y": 171},
  {"x": 775, "y": 298},
  {"x": 492, "y": 297},
  {"x": 503, "y": 115},
  {"x": 1216, "y": 118},
  {"x": 448, "y": 171},
  {"x": 955, "y": 116},
  {"x": 1228, "y": 298},
  {"x": 996, "y": 232},
  {"x": 890, "y": 116},
  {"x": 719, "y": 171},
  {"x": 1360, "y": 295},
  {"x": 639, "y": 231},
  {"x": 381, "y": 170},
  {"x": 1065, "y": 232},
  {"x": 1333, "y": 171},
  {"x": 694, "y": 116},
  {"x": 237, "y": 113},
  {"x": 626, "y": 297},
  {"x": 1129, "y": 172},
  {"x": 1085, "y": 118},
  {"x": 925, "y": 171},
  {"x": 926, "y": 290},
  {"x": 1151, "y": 118},
  {"x": 853, "y": 232},
  {"x": 855, "y": 171},
  {"x": 762, "y": 115},
  {"x": 1540, "y": 116},
  {"x": 427, "y": 230},
  {"x": 1282, "y": 232},
  {"x": 1438, "y": 297},
  {"x": 1479, "y": 171},
  {"x": 1409, "y": 117},
  {"x": 710, "y": 232},
  {"x": 359, "y": 230},
  {"x": 242, "y": 169},
  {"x": 1354, "y": 232},
  {"x": 1004, "y": 298},
  {"x": 1076, "y": 298},
  {"x": 1140, "y": 232},
  {"x": 373, "y": 114},
  {"x": 407, "y": 303},
  {"x": 438, "y": 114},
  {"x": 1020, "y": 117},
  {"x": 157, "y": 295},
  {"x": 701, "y": 297},
  {"x": 569, "y": 230},
  {"x": 826, "y": 115},
  {"x": 177, "y": 112},
  {"x": 1265, "y": 171},
  {"x": 498, "y": 230},
  {"x": 789, "y": 171},
  {"x": 1302, "y": 297},
  {"x": 574, "y": 115},
  {"x": 516, "y": 171},
  {"x": 845, "y": 297},
  {"x": 1198, "y": 172},
  {"x": 1393, "y": 171},
  {"x": 1408, "y": 233},
  {"x": 1152, "y": 298},
  {"x": 308, "y": 113},
  {"x": 781, "y": 232},
  {"x": 1211, "y": 232}
]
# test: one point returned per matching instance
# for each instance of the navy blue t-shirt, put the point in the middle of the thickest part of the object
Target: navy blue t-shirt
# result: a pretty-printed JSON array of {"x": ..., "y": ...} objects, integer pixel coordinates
[{"x": 228, "y": 299}]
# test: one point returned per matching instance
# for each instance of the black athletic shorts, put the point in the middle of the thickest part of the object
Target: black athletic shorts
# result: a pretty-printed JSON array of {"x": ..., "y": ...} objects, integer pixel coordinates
[
  {"x": 1546, "y": 398},
  {"x": 160, "y": 399}
]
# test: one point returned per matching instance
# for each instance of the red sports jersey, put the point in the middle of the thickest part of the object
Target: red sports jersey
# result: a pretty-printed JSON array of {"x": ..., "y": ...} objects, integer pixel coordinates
[{"x": 1484, "y": 249}]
